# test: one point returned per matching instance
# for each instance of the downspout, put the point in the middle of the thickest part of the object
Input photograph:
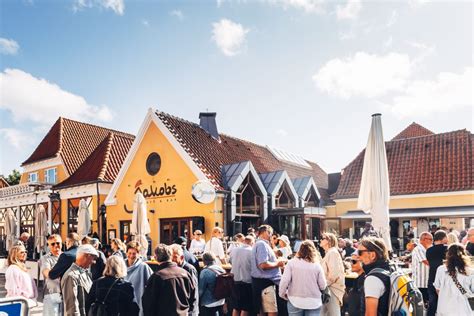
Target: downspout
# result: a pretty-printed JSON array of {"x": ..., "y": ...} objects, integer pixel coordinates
[
  {"x": 224, "y": 207},
  {"x": 99, "y": 230}
]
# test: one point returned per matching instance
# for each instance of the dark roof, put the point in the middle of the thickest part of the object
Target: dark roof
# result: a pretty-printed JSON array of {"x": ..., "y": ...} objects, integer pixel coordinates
[
  {"x": 420, "y": 164},
  {"x": 72, "y": 140},
  {"x": 413, "y": 130},
  {"x": 210, "y": 154}
]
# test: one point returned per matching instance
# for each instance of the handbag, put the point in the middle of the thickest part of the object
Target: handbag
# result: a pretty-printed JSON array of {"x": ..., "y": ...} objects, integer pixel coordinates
[
  {"x": 462, "y": 290},
  {"x": 325, "y": 295}
]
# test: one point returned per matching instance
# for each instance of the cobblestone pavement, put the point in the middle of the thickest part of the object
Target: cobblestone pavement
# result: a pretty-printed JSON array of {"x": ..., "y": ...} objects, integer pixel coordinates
[{"x": 38, "y": 310}]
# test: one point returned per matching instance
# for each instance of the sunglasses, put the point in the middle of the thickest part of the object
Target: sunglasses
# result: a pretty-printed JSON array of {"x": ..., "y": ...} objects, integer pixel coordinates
[
  {"x": 362, "y": 251},
  {"x": 23, "y": 252},
  {"x": 199, "y": 234},
  {"x": 55, "y": 244}
]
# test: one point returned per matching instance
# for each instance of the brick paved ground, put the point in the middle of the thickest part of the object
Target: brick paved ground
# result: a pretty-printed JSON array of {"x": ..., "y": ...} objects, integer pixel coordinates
[{"x": 38, "y": 310}]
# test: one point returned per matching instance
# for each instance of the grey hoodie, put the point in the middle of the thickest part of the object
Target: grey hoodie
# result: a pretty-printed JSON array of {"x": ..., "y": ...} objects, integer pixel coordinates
[{"x": 138, "y": 274}]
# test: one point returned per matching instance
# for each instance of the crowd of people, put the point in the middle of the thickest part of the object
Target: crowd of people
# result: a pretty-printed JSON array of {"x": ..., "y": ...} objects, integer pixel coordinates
[{"x": 268, "y": 276}]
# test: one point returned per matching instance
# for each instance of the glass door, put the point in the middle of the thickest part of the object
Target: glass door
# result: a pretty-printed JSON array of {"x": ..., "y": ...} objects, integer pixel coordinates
[{"x": 172, "y": 228}]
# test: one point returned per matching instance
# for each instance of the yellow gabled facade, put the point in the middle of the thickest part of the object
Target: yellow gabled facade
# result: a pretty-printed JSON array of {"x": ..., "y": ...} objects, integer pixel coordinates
[{"x": 168, "y": 192}]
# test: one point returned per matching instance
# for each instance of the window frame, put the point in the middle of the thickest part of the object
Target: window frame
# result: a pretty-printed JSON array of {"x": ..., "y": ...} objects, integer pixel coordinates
[
  {"x": 33, "y": 173},
  {"x": 46, "y": 176}
]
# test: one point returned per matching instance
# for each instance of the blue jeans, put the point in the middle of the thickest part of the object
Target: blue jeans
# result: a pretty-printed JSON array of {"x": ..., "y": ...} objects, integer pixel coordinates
[{"x": 295, "y": 311}]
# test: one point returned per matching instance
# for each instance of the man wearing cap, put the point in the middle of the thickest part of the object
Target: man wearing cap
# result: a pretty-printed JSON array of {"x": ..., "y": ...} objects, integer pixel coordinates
[{"x": 77, "y": 281}]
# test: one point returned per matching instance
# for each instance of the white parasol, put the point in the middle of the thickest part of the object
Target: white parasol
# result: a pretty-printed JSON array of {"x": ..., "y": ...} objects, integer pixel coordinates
[
  {"x": 83, "y": 219},
  {"x": 140, "y": 226},
  {"x": 374, "y": 194},
  {"x": 41, "y": 229},
  {"x": 11, "y": 228}
]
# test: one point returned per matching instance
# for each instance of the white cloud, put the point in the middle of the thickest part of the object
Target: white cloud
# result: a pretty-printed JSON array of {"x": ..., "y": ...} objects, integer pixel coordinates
[
  {"x": 15, "y": 137},
  {"x": 178, "y": 14},
  {"x": 350, "y": 11},
  {"x": 309, "y": 6},
  {"x": 392, "y": 19},
  {"x": 8, "y": 46},
  {"x": 118, "y": 6},
  {"x": 349, "y": 35},
  {"x": 145, "y": 23},
  {"x": 449, "y": 91},
  {"x": 364, "y": 75},
  {"x": 36, "y": 100},
  {"x": 229, "y": 36}
]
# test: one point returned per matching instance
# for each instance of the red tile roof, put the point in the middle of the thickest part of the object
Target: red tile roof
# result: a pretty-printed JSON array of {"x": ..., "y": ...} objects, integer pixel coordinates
[
  {"x": 89, "y": 152},
  {"x": 413, "y": 130},
  {"x": 420, "y": 164},
  {"x": 74, "y": 141},
  {"x": 104, "y": 163},
  {"x": 210, "y": 155}
]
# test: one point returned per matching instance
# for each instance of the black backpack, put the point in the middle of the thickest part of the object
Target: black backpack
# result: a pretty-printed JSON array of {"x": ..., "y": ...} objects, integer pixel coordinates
[{"x": 98, "y": 308}]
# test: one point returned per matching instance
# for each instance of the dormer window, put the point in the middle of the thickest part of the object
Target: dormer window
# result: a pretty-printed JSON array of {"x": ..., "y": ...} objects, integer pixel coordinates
[
  {"x": 50, "y": 176},
  {"x": 33, "y": 177}
]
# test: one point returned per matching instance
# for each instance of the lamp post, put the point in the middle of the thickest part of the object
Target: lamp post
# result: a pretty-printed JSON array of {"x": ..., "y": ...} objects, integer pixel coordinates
[{"x": 103, "y": 222}]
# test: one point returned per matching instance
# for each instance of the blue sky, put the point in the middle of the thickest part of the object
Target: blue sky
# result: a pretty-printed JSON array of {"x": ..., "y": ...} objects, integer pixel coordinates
[{"x": 303, "y": 76}]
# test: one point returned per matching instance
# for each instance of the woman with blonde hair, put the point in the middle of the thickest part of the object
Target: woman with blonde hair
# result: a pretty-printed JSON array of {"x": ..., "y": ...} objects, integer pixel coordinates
[
  {"x": 119, "y": 248},
  {"x": 302, "y": 281},
  {"x": 452, "y": 238},
  {"x": 18, "y": 281},
  {"x": 333, "y": 268},
  {"x": 111, "y": 289}
]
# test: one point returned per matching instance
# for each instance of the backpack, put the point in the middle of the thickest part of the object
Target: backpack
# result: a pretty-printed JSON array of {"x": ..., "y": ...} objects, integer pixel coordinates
[
  {"x": 98, "y": 308},
  {"x": 405, "y": 299},
  {"x": 224, "y": 284}
]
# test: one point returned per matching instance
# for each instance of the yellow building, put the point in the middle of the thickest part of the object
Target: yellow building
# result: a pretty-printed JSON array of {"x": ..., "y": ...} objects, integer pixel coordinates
[
  {"x": 431, "y": 184},
  {"x": 170, "y": 156}
]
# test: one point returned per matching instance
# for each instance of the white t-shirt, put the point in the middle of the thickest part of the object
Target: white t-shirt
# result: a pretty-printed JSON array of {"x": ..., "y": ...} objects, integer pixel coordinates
[
  {"x": 197, "y": 246},
  {"x": 450, "y": 299},
  {"x": 215, "y": 246},
  {"x": 373, "y": 287}
]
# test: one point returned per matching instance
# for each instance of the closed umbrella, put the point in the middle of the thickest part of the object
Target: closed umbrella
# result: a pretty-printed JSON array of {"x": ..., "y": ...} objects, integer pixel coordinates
[
  {"x": 374, "y": 194},
  {"x": 140, "y": 226},
  {"x": 83, "y": 219},
  {"x": 41, "y": 229},
  {"x": 11, "y": 228}
]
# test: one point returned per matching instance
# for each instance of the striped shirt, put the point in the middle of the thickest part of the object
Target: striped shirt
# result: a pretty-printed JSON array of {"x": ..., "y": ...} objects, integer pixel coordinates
[{"x": 420, "y": 270}]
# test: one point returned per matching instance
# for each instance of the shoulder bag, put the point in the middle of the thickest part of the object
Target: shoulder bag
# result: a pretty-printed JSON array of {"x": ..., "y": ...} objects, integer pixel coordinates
[{"x": 462, "y": 290}]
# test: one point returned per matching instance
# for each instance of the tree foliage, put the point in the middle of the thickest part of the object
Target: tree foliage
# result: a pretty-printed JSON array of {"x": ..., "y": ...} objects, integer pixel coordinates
[{"x": 14, "y": 177}]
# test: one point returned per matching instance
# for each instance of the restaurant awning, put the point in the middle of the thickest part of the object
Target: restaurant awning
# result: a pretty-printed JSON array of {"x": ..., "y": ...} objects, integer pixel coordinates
[{"x": 454, "y": 211}]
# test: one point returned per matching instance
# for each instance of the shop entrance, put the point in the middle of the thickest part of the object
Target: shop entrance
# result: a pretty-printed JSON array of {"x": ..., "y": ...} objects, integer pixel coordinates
[{"x": 171, "y": 228}]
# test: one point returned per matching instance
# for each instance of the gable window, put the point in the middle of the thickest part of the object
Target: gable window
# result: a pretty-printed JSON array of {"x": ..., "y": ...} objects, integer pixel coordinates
[
  {"x": 248, "y": 198},
  {"x": 50, "y": 175},
  {"x": 312, "y": 199},
  {"x": 33, "y": 177},
  {"x": 284, "y": 199}
]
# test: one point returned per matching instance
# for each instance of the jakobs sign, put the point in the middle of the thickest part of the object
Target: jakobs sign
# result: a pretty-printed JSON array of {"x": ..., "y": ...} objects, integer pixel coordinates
[{"x": 165, "y": 190}]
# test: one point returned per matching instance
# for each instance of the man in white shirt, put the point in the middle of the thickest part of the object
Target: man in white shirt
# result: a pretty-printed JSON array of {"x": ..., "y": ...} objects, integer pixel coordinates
[
  {"x": 215, "y": 246},
  {"x": 420, "y": 265},
  {"x": 52, "y": 291}
]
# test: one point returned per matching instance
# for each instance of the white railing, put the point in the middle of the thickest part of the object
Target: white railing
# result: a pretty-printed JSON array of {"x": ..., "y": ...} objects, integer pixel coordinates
[{"x": 23, "y": 188}]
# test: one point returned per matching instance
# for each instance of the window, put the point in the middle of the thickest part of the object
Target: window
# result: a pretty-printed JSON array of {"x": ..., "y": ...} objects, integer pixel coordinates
[
  {"x": 248, "y": 198},
  {"x": 50, "y": 175},
  {"x": 33, "y": 177}
]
